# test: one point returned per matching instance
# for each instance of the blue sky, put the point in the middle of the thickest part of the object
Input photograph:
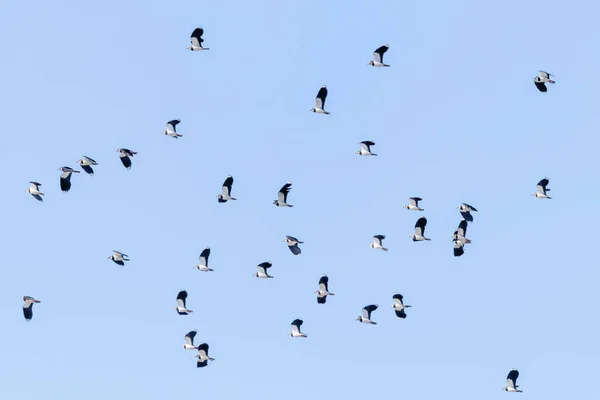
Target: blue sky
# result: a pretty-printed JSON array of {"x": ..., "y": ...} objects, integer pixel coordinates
[{"x": 456, "y": 118}]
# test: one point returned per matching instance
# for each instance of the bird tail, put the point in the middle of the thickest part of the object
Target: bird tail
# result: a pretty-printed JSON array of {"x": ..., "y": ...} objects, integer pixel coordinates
[
  {"x": 406, "y": 305},
  {"x": 384, "y": 249},
  {"x": 373, "y": 154},
  {"x": 232, "y": 198},
  {"x": 36, "y": 301},
  {"x": 332, "y": 294}
]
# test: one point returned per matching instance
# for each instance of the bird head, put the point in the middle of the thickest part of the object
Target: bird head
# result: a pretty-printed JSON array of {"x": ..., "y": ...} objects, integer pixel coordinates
[
  {"x": 313, "y": 109},
  {"x": 359, "y": 319},
  {"x": 372, "y": 245},
  {"x": 164, "y": 132},
  {"x": 111, "y": 257},
  {"x": 371, "y": 63}
]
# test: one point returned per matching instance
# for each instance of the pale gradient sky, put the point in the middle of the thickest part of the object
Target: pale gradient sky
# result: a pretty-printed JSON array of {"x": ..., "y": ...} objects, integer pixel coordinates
[{"x": 456, "y": 118}]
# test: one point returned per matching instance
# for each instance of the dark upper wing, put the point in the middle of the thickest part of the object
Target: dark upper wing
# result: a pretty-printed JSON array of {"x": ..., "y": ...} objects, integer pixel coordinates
[
  {"x": 380, "y": 237},
  {"x": 227, "y": 184},
  {"x": 205, "y": 253},
  {"x": 197, "y": 33},
  {"x": 541, "y": 86},
  {"x": 368, "y": 143},
  {"x": 371, "y": 308},
  {"x": 513, "y": 375},
  {"x": 28, "y": 312},
  {"x": 380, "y": 52},
  {"x": 297, "y": 322},
  {"x": 182, "y": 295},
  {"x": 125, "y": 160},
  {"x": 421, "y": 223},
  {"x": 265, "y": 265},
  {"x": 398, "y": 296},
  {"x": 322, "y": 95},
  {"x": 65, "y": 183},
  {"x": 295, "y": 249},
  {"x": 543, "y": 183},
  {"x": 88, "y": 169},
  {"x": 463, "y": 225},
  {"x": 325, "y": 282},
  {"x": 203, "y": 347}
]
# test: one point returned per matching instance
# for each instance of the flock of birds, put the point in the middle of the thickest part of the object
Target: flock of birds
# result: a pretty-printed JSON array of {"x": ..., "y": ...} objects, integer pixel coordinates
[{"x": 459, "y": 238}]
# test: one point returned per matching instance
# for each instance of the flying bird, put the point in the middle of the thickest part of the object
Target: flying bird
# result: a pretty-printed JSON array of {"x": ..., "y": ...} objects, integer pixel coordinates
[
  {"x": 125, "y": 155},
  {"x": 511, "y": 382},
  {"x": 319, "y": 107},
  {"x": 413, "y": 204},
  {"x": 181, "y": 308},
  {"x": 203, "y": 265},
  {"x": 323, "y": 291},
  {"x": 172, "y": 129},
  {"x": 365, "y": 148},
  {"x": 119, "y": 258},
  {"x": 226, "y": 191},
  {"x": 419, "y": 234},
  {"x": 377, "y": 242},
  {"x": 465, "y": 211},
  {"x": 189, "y": 340},
  {"x": 282, "y": 196},
  {"x": 541, "y": 192},
  {"x": 34, "y": 190},
  {"x": 541, "y": 80},
  {"x": 202, "y": 356},
  {"x": 86, "y": 164},
  {"x": 196, "y": 40},
  {"x": 378, "y": 54},
  {"x": 459, "y": 238},
  {"x": 65, "y": 178},
  {"x": 262, "y": 270},
  {"x": 399, "y": 305},
  {"x": 293, "y": 243},
  {"x": 366, "y": 314},
  {"x": 28, "y": 307},
  {"x": 296, "y": 324}
]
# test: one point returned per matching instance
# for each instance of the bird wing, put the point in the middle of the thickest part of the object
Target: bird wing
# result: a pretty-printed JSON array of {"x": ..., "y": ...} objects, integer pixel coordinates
[
  {"x": 181, "y": 296},
  {"x": 321, "y": 97},
  {"x": 414, "y": 201},
  {"x": 295, "y": 249},
  {"x": 462, "y": 228},
  {"x": 204, "y": 257},
  {"x": 226, "y": 190},
  {"x": 262, "y": 267},
  {"x": 398, "y": 298},
  {"x": 28, "y": 311},
  {"x": 66, "y": 175},
  {"x": 368, "y": 310},
  {"x": 296, "y": 325},
  {"x": 511, "y": 378},
  {"x": 203, "y": 351},
  {"x": 292, "y": 239},
  {"x": 541, "y": 186},
  {"x": 324, "y": 283},
  {"x": 541, "y": 86},
  {"x": 171, "y": 125},
  {"x": 420, "y": 226},
  {"x": 196, "y": 37},
  {"x": 189, "y": 338},
  {"x": 35, "y": 185},
  {"x": 470, "y": 207},
  {"x": 378, "y": 238},
  {"x": 125, "y": 160},
  {"x": 544, "y": 74},
  {"x": 378, "y": 54},
  {"x": 90, "y": 160},
  {"x": 283, "y": 192}
]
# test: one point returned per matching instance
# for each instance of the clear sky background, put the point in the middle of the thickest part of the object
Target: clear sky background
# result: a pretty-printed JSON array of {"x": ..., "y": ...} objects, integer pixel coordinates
[{"x": 456, "y": 118}]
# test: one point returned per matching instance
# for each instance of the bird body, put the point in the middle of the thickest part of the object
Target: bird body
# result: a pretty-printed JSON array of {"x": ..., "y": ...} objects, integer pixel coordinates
[
  {"x": 378, "y": 55},
  {"x": 413, "y": 204},
  {"x": 28, "y": 307},
  {"x": 262, "y": 270},
  {"x": 125, "y": 155},
  {"x": 319, "y": 107},
  {"x": 378, "y": 242},
  {"x": 296, "y": 324},
  {"x": 181, "y": 307},
  {"x": 365, "y": 148},
  {"x": 203, "y": 261},
  {"x": 226, "y": 190},
  {"x": 172, "y": 129},
  {"x": 419, "y": 234},
  {"x": 293, "y": 243},
  {"x": 323, "y": 291},
  {"x": 541, "y": 192},
  {"x": 196, "y": 40},
  {"x": 34, "y": 190},
  {"x": 541, "y": 80},
  {"x": 465, "y": 211},
  {"x": 189, "y": 341},
  {"x": 511, "y": 382},
  {"x": 282, "y": 196},
  {"x": 86, "y": 164},
  {"x": 119, "y": 258},
  {"x": 399, "y": 305},
  {"x": 365, "y": 318}
]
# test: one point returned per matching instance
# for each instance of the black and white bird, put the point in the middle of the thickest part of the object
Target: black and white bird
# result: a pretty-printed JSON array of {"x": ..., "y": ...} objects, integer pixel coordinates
[
  {"x": 262, "y": 270},
  {"x": 28, "y": 307},
  {"x": 126, "y": 155},
  {"x": 65, "y": 178},
  {"x": 34, "y": 190},
  {"x": 323, "y": 291},
  {"x": 378, "y": 54},
  {"x": 119, "y": 258},
  {"x": 459, "y": 238},
  {"x": 86, "y": 164},
  {"x": 419, "y": 234},
  {"x": 172, "y": 129},
  {"x": 541, "y": 80},
  {"x": 196, "y": 40},
  {"x": 293, "y": 243},
  {"x": 203, "y": 263},
  {"x": 511, "y": 382},
  {"x": 202, "y": 356},
  {"x": 181, "y": 308},
  {"x": 189, "y": 340},
  {"x": 282, "y": 196},
  {"x": 366, "y": 314},
  {"x": 226, "y": 191},
  {"x": 365, "y": 148},
  {"x": 413, "y": 204},
  {"x": 399, "y": 305},
  {"x": 319, "y": 107},
  {"x": 377, "y": 242},
  {"x": 541, "y": 192},
  {"x": 296, "y": 324},
  {"x": 465, "y": 211}
]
